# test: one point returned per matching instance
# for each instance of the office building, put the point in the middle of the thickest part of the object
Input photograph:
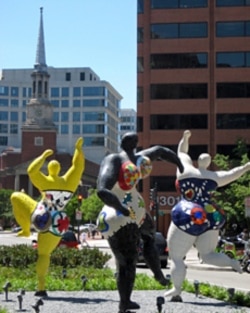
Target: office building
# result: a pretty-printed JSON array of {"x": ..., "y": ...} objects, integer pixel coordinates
[
  {"x": 83, "y": 105},
  {"x": 193, "y": 73}
]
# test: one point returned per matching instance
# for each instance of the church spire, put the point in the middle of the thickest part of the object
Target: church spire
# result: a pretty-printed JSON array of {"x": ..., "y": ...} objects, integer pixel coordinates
[{"x": 40, "y": 64}]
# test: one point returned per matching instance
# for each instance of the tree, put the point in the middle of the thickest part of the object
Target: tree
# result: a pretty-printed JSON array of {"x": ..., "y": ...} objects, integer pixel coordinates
[
  {"x": 231, "y": 197},
  {"x": 91, "y": 206},
  {"x": 6, "y": 213}
]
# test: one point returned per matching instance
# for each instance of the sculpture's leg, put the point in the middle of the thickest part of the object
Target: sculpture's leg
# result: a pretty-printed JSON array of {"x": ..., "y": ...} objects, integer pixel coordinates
[
  {"x": 206, "y": 244},
  {"x": 150, "y": 251},
  {"x": 46, "y": 243},
  {"x": 179, "y": 243},
  {"x": 124, "y": 246},
  {"x": 23, "y": 206}
]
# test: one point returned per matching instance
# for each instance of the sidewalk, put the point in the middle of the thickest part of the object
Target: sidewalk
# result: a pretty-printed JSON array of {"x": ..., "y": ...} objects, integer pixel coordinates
[{"x": 107, "y": 302}]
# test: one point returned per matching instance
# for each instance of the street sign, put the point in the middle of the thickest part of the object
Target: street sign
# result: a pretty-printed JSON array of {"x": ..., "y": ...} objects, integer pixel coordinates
[{"x": 78, "y": 215}]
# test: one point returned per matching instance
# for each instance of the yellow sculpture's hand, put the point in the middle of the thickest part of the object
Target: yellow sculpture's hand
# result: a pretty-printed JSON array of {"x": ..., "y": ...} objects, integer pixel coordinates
[
  {"x": 131, "y": 213},
  {"x": 79, "y": 143},
  {"x": 47, "y": 153}
]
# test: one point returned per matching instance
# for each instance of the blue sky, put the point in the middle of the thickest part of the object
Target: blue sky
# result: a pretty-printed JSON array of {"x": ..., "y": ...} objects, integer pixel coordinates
[{"x": 100, "y": 34}]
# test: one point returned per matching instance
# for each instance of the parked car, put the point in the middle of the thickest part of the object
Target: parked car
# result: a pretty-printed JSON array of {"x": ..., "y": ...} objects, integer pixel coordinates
[
  {"x": 87, "y": 227},
  {"x": 161, "y": 244}
]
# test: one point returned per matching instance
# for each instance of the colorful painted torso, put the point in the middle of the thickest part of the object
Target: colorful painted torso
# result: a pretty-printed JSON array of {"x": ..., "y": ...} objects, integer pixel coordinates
[
  {"x": 110, "y": 220},
  {"x": 49, "y": 214},
  {"x": 196, "y": 213}
]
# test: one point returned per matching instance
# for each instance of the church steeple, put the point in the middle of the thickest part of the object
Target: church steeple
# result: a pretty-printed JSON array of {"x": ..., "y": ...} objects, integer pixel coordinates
[
  {"x": 39, "y": 109},
  {"x": 40, "y": 64}
]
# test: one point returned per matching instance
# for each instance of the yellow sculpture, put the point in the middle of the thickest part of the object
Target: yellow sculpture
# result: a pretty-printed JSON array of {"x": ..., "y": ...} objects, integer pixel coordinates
[{"x": 47, "y": 215}]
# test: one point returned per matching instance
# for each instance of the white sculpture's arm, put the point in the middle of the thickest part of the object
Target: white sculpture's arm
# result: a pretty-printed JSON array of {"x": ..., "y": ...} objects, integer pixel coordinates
[{"x": 226, "y": 177}]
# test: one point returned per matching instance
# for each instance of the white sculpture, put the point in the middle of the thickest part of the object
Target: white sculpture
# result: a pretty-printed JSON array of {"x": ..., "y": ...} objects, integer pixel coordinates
[{"x": 196, "y": 220}]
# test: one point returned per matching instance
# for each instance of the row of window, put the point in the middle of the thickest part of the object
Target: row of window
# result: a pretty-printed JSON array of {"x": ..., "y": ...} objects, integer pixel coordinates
[
  {"x": 195, "y": 91},
  {"x": 195, "y": 30},
  {"x": 77, "y": 129},
  {"x": 76, "y": 103},
  {"x": 195, "y": 60},
  {"x": 186, "y": 4},
  {"x": 195, "y": 121},
  {"x": 56, "y": 92},
  {"x": 88, "y": 141}
]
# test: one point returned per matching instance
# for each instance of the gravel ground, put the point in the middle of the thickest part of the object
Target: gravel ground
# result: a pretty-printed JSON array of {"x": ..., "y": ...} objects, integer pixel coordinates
[{"x": 107, "y": 302}]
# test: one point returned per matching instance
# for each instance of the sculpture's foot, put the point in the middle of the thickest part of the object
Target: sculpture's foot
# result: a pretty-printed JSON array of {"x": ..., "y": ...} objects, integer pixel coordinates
[
  {"x": 130, "y": 306},
  {"x": 177, "y": 298},
  {"x": 41, "y": 294},
  {"x": 172, "y": 292},
  {"x": 161, "y": 279},
  {"x": 23, "y": 233}
]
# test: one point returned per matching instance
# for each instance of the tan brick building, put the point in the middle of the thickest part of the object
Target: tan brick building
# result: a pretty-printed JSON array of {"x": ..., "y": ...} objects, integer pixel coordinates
[{"x": 193, "y": 73}]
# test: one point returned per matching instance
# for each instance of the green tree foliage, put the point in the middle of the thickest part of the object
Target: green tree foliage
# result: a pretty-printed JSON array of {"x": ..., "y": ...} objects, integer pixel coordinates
[
  {"x": 6, "y": 213},
  {"x": 231, "y": 197},
  {"x": 91, "y": 206}
]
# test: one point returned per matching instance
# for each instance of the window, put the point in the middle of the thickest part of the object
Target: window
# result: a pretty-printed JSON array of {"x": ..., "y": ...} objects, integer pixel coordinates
[
  {"x": 76, "y": 116},
  {"x": 4, "y": 91},
  {"x": 182, "y": 30},
  {"x": 14, "y": 91},
  {"x": 64, "y": 116},
  {"x": 139, "y": 124},
  {"x": 65, "y": 103},
  {"x": 24, "y": 103},
  {"x": 23, "y": 116},
  {"x": 14, "y": 128},
  {"x": 68, "y": 77},
  {"x": 93, "y": 129},
  {"x": 55, "y": 92},
  {"x": 3, "y": 141},
  {"x": 93, "y": 91},
  {"x": 233, "y": 121},
  {"x": 76, "y": 103},
  {"x": 14, "y": 116},
  {"x": 232, "y": 3},
  {"x": 4, "y": 102},
  {"x": 76, "y": 129},
  {"x": 233, "y": 29},
  {"x": 178, "y": 60},
  {"x": 93, "y": 116},
  {"x": 4, "y": 116},
  {"x": 65, "y": 92},
  {"x": 93, "y": 103},
  {"x": 178, "y": 91},
  {"x": 77, "y": 92},
  {"x": 173, "y": 4},
  {"x": 233, "y": 90},
  {"x": 38, "y": 141},
  {"x": 163, "y": 183},
  {"x": 55, "y": 117},
  {"x": 4, "y": 128},
  {"x": 178, "y": 121},
  {"x": 140, "y": 35},
  {"x": 140, "y": 6},
  {"x": 140, "y": 66},
  {"x": 93, "y": 141},
  {"x": 139, "y": 94},
  {"x": 55, "y": 103},
  {"x": 231, "y": 59},
  {"x": 82, "y": 76},
  {"x": 14, "y": 102},
  {"x": 64, "y": 129}
]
